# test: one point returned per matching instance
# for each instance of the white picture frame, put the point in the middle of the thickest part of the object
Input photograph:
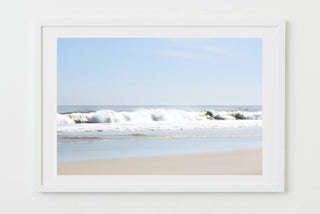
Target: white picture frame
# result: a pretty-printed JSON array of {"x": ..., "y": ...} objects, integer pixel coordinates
[{"x": 271, "y": 30}]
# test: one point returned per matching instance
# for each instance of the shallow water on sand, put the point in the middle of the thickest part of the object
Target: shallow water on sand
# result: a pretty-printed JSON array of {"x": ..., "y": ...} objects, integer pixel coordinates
[{"x": 108, "y": 145}]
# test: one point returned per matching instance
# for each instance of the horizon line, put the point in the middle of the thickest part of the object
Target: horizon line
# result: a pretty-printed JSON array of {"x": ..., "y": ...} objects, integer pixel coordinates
[{"x": 160, "y": 105}]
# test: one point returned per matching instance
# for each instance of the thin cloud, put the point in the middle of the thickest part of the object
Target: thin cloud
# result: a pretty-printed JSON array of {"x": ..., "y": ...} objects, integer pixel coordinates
[
  {"x": 201, "y": 45},
  {"x": 182, "y": 54},
  {"x": 212, "y": 49}
]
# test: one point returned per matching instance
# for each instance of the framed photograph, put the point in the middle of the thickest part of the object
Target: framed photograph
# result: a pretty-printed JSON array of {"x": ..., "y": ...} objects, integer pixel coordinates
[{"x": 160, "y": 105}]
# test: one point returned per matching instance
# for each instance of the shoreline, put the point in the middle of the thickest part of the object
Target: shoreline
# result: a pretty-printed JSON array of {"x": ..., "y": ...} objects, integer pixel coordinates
[{"x": 247, "y": 162}]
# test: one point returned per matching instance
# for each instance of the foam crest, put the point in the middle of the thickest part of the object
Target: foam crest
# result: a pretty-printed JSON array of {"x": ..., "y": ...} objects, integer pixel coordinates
[
  {"x": 154, "y": 116},
  {"x": 159, "y": 126},
  {"x": 64, "y": 119},
  {"x": 248, "y": 115}
]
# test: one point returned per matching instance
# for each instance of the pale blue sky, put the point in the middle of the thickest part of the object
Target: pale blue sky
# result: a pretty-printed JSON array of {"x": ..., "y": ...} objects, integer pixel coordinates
[{"x": 157, "y": 71}]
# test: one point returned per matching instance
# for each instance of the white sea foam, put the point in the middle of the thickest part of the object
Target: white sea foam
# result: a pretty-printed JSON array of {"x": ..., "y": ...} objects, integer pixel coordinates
[
  {"x": 64, "y": 119},
  {"x": 249, "y": 115},
  {"x": 155, "y": 115},
  {"x": 222, "y": 115},
  {"x": 156, "y": 119},
  {"x": 102, "y": 127},
  {"x": 80, "y": 117},
  {"x": 145, "y": 115}
]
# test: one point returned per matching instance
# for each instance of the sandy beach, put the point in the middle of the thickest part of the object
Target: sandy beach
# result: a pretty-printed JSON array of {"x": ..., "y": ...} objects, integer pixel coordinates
[{"x": 228, "y": 163}]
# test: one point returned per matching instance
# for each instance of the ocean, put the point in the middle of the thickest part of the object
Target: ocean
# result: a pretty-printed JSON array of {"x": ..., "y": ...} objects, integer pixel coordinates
[{"x": 107, "y": 132}]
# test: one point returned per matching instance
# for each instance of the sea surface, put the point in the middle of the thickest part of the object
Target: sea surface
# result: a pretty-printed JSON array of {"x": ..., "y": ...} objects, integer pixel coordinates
[{"x": 105, "y": 132}]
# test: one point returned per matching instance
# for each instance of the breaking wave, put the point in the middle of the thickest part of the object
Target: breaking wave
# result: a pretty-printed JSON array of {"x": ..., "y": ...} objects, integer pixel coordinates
[{"x": 153, "y": 116}]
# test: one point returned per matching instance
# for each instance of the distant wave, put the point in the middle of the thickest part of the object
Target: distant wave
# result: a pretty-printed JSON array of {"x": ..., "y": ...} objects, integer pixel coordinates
[
  {"x": 154, "y": 115},
  {"x": 156, "y": 119}
]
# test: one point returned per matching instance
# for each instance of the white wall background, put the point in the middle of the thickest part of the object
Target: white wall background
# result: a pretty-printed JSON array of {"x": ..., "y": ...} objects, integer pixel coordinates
[{"x": 303, "y": 103}]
